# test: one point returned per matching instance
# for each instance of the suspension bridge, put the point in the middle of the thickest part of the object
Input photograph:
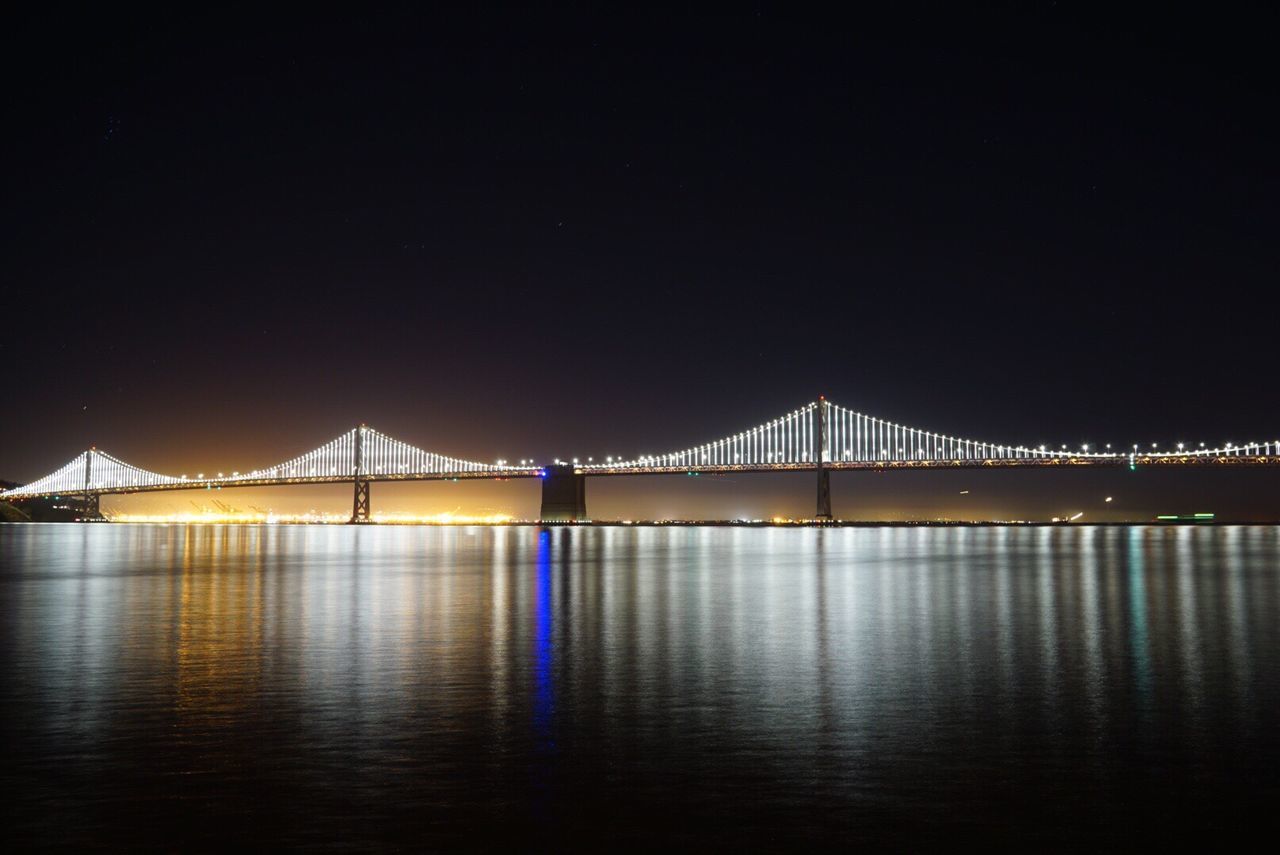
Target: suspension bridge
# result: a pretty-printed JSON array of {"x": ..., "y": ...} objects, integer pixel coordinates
[{"x": 819, "y": 437}]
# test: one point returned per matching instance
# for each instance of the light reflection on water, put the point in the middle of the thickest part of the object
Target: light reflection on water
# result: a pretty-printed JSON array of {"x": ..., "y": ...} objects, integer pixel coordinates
[{"x": 189, "y": 686}]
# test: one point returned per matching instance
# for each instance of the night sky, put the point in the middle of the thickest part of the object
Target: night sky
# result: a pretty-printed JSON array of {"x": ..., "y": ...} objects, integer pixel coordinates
[{"x": 230, "y": 237}]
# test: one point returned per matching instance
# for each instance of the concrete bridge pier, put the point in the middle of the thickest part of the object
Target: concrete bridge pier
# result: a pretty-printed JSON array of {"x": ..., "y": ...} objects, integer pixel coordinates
[{"x": 564, "y": 495}]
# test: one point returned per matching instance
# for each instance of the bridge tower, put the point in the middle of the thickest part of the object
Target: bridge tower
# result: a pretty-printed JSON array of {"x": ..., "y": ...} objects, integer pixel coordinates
[
  {"x": 564, "y": 494},
  {"x": 824, "y": 474},
  {"x": 360, "y": 503},
  {"x": 91, "y": 507}
]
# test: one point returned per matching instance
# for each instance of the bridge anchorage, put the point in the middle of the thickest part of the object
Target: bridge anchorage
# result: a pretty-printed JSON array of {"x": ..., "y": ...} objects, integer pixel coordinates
[
  {"x": 820, "y": 437},
  {"x": 564, "y": 494}
]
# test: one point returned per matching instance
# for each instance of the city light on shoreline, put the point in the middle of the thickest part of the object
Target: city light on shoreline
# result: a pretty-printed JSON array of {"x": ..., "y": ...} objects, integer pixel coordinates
[{"x": 311, "y": 518}]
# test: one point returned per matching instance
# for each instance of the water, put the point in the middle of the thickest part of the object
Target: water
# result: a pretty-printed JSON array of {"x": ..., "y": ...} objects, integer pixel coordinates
[{"x": 196, "y": 687}]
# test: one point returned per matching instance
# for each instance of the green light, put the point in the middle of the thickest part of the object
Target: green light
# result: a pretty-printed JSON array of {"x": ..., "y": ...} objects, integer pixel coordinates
[
  {"x": 1166, "y": 516},
  {"x": 1204, "y": 516}
]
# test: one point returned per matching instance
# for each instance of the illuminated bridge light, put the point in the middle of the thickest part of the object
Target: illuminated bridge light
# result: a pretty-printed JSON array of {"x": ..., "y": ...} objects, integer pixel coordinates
[{"x": 791, "y": 441}]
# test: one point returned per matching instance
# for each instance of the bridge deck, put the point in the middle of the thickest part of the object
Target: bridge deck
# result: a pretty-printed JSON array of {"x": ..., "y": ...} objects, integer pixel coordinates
[
  {"x": 992, "y": 463},
  {"x": 228, "y": 483},
  {"x": 605, "y": 470}
]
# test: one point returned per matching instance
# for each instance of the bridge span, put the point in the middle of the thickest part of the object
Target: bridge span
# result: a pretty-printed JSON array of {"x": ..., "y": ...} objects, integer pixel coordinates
[{"x": 820, "y": 437}]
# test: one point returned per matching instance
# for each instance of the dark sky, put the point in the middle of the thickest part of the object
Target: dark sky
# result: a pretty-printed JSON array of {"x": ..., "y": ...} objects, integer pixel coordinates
[{"x": 230, "y": 236}]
